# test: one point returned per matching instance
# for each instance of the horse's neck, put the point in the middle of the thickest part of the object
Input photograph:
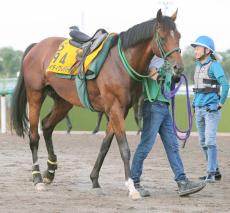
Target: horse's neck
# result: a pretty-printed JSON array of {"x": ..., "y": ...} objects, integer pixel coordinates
[{"x": 140, "y": 56}]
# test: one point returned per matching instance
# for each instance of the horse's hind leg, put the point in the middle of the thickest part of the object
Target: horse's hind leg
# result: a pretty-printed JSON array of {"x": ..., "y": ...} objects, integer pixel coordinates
[
  {"x": 59, "y": 111},
  {"x": 35, "y": 99}
]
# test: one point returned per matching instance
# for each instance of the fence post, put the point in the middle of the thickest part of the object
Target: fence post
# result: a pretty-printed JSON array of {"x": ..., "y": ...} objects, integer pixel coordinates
[{"x": 3, "y": 114}]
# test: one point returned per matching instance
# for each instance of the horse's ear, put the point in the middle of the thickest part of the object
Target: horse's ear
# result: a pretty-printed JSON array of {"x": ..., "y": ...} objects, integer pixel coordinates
[
  {"x": 159, "y": 16},
  {"x": 174, "y": 15}
]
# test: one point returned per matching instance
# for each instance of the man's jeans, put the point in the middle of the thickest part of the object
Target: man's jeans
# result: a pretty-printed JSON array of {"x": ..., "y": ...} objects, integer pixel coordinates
[
  {"x": 157, "y": 118},
  {"x": 207, "y": 124}
]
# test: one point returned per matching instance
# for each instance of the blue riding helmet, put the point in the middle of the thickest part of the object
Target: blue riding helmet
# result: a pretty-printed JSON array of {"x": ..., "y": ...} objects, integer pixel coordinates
[{"x": 204, "y": 41}]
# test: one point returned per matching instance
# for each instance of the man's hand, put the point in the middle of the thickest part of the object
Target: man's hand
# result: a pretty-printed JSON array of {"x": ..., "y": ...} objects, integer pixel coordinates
[{"x": 153, "y": 74}]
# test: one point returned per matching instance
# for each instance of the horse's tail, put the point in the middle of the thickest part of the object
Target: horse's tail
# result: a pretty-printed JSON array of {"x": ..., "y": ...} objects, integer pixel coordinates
[{"x": 19, "y": 119}]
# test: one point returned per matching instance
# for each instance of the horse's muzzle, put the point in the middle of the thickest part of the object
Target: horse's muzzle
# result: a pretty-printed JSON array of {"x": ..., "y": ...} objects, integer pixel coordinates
[{"x": 178, "y": 68}]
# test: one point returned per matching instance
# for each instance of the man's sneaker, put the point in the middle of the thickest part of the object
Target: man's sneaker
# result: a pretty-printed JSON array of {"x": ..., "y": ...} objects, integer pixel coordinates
[
  {"x": 218, "y": 175},
  {"x": 203, "y": 178},
  {"x": 187, "y": 187},
  {"x": 210, "y": 178},
  {"x": 143, "y": 192}
]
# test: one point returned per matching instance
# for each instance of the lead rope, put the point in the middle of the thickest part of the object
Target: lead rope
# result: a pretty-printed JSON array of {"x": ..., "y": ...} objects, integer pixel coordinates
[{"x": 186, "y": 132}]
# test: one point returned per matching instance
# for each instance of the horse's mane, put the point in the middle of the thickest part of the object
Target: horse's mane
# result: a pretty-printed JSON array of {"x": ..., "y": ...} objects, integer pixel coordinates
[{"x": 144, "y": 31}]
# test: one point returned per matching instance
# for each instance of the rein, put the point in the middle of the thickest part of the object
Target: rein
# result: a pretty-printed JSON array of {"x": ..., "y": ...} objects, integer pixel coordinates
[{"x": 133, "y": 73}]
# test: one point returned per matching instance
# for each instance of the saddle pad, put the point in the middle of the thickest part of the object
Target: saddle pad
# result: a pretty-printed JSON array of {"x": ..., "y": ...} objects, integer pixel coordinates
[{"x": 65, "y": 58}]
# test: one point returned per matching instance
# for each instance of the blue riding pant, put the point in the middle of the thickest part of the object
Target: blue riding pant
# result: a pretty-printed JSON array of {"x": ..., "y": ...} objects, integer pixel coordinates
[{"x": 207, "y": 124}]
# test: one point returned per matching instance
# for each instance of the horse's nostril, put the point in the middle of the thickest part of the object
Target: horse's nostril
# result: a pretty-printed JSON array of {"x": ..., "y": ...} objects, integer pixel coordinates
[
  {"x": 176, "y": 67},
  {"x": 179, "y": 68}
]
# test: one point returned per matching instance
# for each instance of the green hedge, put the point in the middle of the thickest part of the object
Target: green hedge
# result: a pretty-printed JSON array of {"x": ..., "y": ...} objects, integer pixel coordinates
[
  {"x": 85, "y": 120},
  {"x": 181, "y": 115}
]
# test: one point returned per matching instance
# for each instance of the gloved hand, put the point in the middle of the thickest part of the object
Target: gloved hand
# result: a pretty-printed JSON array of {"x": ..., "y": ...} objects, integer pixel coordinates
[
  {"x": 219, "y": 107},
  {"x": 176, "y": 78}
]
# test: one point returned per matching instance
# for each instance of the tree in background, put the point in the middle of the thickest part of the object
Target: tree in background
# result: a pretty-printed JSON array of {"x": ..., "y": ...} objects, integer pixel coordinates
[
  {"x": 10, "y": 62},
  {"x": 189, "y": 65},
  {"x": 226, "y": 62}
]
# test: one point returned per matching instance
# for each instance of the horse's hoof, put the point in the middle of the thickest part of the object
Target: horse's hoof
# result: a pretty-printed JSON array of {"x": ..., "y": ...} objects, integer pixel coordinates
[
  {"x": 48, "y": 177},
  {"x": 40, "y": 187},
  {"x": 98, "y": 191},
  {"x": 95, "y": 183},
  {"x": 96, "y": 186},
  {"x": 47, "y": 180},
  {"x": 135, "y": 196}
]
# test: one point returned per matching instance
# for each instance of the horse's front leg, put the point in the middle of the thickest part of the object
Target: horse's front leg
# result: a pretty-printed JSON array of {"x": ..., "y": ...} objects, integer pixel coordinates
[
  {"x": 68, "y": 123},
  {"x": 101, "y": 156},
  {"x": 99, "y": 114},
  {"x": 125, "y": 155},
  {"x": 118, "y": 124}
]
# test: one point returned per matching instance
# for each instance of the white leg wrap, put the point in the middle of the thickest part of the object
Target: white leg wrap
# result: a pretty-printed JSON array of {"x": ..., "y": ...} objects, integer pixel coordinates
[
  {"x": 130, "y": 185},
  {"x": 133, "y": 193}
]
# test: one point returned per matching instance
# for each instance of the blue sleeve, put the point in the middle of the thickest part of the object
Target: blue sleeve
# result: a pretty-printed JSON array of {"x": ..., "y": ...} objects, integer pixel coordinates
[
  {"x": 216, "y": 70},
  {"x": 225, "y": 87}
]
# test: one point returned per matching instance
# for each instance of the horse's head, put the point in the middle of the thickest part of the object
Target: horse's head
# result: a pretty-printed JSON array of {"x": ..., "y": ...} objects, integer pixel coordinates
[{"x": 166, "y": 39}]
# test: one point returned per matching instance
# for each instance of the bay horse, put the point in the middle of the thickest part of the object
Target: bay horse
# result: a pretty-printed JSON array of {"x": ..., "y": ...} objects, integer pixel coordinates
[{"x": 114, "y": 91}]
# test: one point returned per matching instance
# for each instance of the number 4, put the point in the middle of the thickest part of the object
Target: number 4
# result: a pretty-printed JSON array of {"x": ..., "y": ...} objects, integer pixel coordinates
[{"x": 63, "y": 58}]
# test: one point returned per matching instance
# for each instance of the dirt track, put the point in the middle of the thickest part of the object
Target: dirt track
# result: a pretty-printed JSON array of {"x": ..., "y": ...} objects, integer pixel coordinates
[{"x": 71, "y": 190}]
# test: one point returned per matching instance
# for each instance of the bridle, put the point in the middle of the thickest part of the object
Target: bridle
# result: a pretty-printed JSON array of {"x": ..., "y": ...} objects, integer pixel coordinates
[{"x": 159, "y": 42}]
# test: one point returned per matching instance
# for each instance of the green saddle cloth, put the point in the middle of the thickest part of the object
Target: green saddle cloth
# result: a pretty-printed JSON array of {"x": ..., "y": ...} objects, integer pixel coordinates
[{"x": 92, "y": 73}]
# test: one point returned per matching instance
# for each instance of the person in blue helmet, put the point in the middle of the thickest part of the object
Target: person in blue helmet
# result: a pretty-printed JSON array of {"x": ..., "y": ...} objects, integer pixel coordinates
[{"x": 209, "y": 76}]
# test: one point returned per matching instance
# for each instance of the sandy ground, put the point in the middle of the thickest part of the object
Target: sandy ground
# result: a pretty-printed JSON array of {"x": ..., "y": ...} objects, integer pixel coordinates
[{"x": 72, "y": 191}]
